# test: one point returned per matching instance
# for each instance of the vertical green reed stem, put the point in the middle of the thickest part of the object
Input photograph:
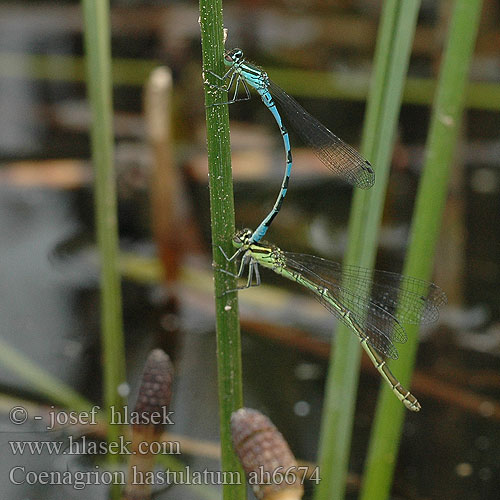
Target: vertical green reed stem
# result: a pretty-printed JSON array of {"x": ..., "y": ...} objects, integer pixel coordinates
[
  {"x": 431, "y": 199},
  {"x": 222, "y": 216},
  {"x": 392, "y": 55},
  {"x": 98, "y": 56}
]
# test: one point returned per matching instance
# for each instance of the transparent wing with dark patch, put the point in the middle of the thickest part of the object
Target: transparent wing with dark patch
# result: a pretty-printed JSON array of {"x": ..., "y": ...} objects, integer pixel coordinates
[
  {"x": 377, "y": 312},
  {"x": 338, "y": 156},
  {"x": 380, "y": 329},
  {"x": 411, "y": 300}
]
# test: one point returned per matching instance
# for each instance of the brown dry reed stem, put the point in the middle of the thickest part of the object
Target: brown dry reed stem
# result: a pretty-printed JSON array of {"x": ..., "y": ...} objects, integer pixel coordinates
[
  {"x": 152, "y": 405},
  {"x": 265, "y": 456},
  {"x": 166, "y": 187}
]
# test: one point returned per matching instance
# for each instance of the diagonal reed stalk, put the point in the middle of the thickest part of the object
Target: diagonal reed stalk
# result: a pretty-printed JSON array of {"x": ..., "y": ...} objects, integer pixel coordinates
[
  {"x": 222, "y": 217},
  {"x": 431, "y": 198},
  {"x": 41, "y": 380},
  {"x": 98, "y": 55},
  {"x": 392, "y": 55}
]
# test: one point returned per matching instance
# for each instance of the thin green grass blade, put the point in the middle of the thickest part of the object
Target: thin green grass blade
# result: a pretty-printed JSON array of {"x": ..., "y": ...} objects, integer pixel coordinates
[
  {"x": 431, "y": 199},
  {"x": 50, "y": 387},
  {"x": 222, "y": 217},
  {"x": 98, "y": 55},
  {"x": 299, "y": 83},
  {"x": 391, "y": 62},
  {"x": 355, "y": 86}
]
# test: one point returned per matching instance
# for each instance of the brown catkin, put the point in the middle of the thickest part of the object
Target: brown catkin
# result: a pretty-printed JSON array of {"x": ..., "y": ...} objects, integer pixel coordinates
[
  {"x": 264, "y": 454},
  {"x": 156, "y": 385},
  {"x": 153, "y": 400}
]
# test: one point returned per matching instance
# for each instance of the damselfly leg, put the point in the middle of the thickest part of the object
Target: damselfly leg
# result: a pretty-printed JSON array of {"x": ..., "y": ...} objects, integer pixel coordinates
[
  {"x": 226, "y": 88},
  {"x": 246, "y": 260}
]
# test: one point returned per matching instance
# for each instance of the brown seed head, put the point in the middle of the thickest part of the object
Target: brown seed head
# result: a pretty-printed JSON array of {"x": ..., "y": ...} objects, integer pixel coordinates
[
  {"x": 155, "y": 392},
  {"x": 264, "y": 454}
]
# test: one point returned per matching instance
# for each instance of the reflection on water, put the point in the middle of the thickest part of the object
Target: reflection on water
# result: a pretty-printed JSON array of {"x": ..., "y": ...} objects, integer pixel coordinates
[{"x": 36, "y": 309}]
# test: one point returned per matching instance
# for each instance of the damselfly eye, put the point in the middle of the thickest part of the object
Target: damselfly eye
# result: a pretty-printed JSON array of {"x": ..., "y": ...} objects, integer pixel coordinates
[
  {"x": 234, "y": 55},
  {"x": 242, "y": 236}
]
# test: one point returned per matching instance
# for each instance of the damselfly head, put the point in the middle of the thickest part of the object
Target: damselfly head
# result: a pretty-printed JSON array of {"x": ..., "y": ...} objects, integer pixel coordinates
[
  {"x": 233, "y": 56},
  {"x": 242, "y": 237}
]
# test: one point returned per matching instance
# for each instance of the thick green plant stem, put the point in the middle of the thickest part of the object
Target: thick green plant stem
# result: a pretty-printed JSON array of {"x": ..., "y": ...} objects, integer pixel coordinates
[
  {"x": 431, "y": 199},
  {"x": 98, "y": 55},
  {"x": 222, "y": 217},
  {"x": 392, "y": 55}
]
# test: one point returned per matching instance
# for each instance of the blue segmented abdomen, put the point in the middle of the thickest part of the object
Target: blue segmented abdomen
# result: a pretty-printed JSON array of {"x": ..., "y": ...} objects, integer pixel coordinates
[{"x": 264, "y": 225}]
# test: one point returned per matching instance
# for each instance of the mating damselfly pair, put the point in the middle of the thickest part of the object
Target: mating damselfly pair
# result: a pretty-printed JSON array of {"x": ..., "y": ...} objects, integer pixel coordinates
[{"x": 374, "y": 304}]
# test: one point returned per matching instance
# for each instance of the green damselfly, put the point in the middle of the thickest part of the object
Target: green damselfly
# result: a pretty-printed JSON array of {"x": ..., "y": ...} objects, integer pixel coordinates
[{"x": 374, "y": 304}]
